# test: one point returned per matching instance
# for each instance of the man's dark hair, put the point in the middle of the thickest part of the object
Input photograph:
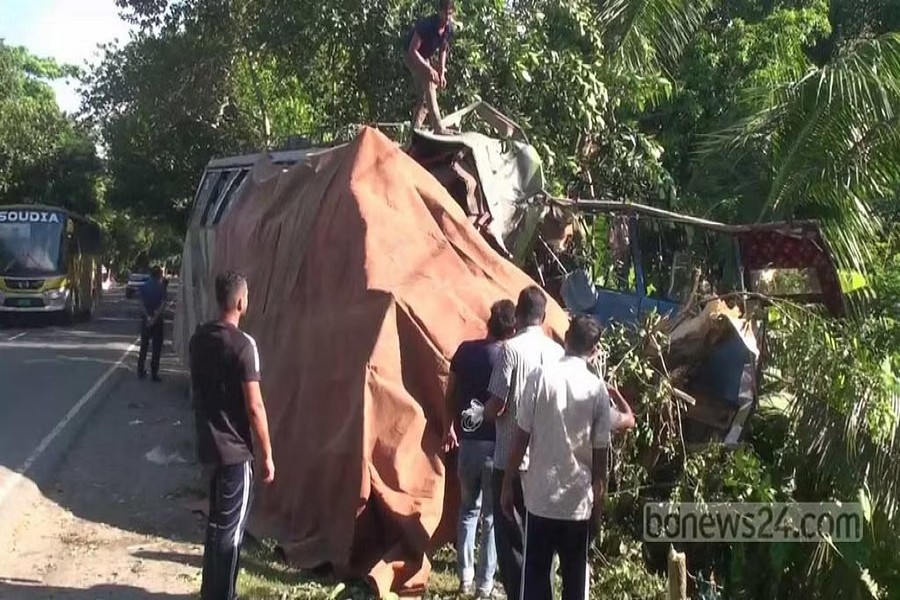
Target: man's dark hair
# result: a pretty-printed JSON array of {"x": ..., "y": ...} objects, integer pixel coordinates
[
  {"x": 583, "y": 335},
  {"x": 446, "y": 5},
  {"x": 502, "y": 323},
  {"x": 229, "y": 287},
  {"x": 532, "y": 306},
  {"x": 156, "y": 272}
]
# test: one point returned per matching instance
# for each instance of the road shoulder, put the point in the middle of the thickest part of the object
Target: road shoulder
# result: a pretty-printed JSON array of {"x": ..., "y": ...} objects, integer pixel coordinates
[{"x": 114, "y": 519}]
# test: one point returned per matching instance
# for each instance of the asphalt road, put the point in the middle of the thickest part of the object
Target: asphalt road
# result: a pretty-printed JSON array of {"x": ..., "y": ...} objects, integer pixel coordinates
[
  {"x": 98, "y": 481},
  {"x": 52, "y": 377}
]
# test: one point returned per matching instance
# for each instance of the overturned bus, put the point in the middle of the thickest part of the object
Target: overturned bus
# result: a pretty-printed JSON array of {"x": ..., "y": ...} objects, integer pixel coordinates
[
  {"x": 616, "y": 261},
  {"x": 365, "y": 276},
  {"x": 369, "y": 264}
]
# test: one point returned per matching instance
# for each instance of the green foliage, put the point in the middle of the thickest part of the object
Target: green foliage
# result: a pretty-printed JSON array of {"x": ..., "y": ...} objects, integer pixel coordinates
[
  {"x": 826, "y": 431},
  {"x": 841, "y": 412},
  {"x": 204, "y": 79},
  {"x": 133, "y": 242},
  {"x": 719, "y": 474},
  {"x": 45, "y": 157},
  {"x": 830, "y": 139},
  {"x": 885, "y": 266},
  {"x": 742, "y": 110},
  {"x": 623, "y": 575},
  {"x": 744, "y": 46}
]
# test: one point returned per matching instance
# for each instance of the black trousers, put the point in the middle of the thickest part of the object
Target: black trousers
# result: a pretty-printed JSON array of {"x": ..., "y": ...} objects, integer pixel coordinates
[
  {"x": 509, "y": 537},
  {"x": 546, "y": 537},
  {"x": 151, "y": 335},
  {"x": 230, "y": 496}
]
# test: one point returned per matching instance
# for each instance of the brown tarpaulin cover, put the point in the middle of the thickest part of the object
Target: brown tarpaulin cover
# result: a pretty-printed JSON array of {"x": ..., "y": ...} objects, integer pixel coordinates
[{"x": 364, "y": 278}]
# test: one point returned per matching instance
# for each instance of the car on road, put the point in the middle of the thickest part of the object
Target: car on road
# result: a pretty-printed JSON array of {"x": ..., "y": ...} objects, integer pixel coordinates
[{"x": 134, "y": 284}]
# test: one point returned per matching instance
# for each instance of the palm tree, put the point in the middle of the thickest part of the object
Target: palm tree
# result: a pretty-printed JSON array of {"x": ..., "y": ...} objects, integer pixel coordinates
[
  {"x": 831, "y": 143},
  {"x": 648, "y": 36}
]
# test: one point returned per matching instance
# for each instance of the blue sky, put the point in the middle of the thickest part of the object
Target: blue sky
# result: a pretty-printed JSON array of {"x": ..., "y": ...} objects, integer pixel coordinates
[{"x": 67, "y": 30}]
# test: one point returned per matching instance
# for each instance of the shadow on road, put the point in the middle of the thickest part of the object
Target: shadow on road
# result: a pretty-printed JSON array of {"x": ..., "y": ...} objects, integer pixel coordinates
[
  {"x": 11, "y": 589},
  {"x": 134, "y": 467},
  {"x": 28, "y": 321},
  {"x": 190, "y": 560},
  {"x": 127, "y": 461}
]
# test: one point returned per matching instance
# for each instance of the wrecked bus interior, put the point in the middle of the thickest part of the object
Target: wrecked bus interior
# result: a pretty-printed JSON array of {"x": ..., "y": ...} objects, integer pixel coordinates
[{"x": 710, "y": 281}]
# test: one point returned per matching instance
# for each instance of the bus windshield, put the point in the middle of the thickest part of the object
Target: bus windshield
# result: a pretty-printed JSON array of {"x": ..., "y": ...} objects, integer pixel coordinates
[{"x": 31, "y": 243}]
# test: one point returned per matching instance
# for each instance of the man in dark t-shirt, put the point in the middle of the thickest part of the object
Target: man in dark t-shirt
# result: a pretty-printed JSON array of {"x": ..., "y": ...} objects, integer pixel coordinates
[
  {"x": 428, "y": 37},
  {"x": 153, "y": 303},
  {"x": 229, "y": 410},
  {"x": 467, "y": 393}
]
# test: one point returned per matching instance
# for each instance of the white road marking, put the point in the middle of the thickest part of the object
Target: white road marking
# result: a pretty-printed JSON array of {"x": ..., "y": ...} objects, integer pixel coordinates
[
  {"x": 10, "y": 484},
  {"x": 17, "y": 336},
  {"x": 66, "y": 345}
]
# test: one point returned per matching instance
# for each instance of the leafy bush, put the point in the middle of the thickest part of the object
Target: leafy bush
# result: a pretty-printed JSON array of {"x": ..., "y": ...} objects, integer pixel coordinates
[{"x": 826, "y": 430}]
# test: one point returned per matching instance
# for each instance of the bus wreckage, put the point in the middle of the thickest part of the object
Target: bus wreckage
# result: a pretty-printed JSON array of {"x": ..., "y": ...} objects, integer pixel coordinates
[
  {"x": 619, "y": 261},
  {"x": 368, "y": 265}
]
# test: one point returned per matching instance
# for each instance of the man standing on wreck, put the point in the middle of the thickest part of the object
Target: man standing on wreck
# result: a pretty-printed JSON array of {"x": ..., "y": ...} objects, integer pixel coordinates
[{"x": 429, "y": 36}]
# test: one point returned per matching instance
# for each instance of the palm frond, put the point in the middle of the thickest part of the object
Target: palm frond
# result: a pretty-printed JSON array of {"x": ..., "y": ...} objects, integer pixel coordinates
[
  {"x": 843, "y": 415},
  {"x": 832, "y": 142},
  {"x": 648, "y": 36}
]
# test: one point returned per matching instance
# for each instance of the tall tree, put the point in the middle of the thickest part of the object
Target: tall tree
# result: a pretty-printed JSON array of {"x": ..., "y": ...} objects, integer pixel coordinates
[
  {"x": 45, "y": 156},
  {"x": 830, "y": 142}
]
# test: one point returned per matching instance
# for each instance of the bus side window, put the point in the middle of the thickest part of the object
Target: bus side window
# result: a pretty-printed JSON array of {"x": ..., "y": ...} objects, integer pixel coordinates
[
  {"x": 209, "y": 193},
  {"x": 659, "y": 242},
  {"x": 228, "y": 195},
  {"x": 222, "y": 188}
]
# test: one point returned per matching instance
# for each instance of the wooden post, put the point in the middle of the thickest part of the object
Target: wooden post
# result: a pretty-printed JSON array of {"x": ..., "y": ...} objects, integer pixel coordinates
[{"x": 677, "y": 575}]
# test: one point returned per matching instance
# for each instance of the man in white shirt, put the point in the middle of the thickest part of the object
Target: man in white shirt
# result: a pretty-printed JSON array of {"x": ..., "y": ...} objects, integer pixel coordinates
[
  {"x": 564, "y": 424},
  {"x": 523, "y": 353}
]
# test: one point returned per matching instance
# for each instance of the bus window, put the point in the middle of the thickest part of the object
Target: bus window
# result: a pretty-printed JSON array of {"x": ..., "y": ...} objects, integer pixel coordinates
[
  {"x": 223, "y": 185},
  {"x": 613, "y": 265},
  {"x": 209, "y": 191},
  {"x": 674, "y": 254},
  {"x": 31, "y": 243},
  {"x": 228, "y": 195}
]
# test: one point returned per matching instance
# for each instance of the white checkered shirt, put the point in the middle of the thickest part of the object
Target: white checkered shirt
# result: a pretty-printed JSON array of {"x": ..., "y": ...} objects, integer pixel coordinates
[{"x": 520, "y": 355}]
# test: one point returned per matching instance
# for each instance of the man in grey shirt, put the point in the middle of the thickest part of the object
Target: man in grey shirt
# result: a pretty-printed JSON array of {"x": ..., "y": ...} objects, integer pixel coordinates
[
  {"x": 564, "y": 423},
  {"x": 523, "y": 353}
]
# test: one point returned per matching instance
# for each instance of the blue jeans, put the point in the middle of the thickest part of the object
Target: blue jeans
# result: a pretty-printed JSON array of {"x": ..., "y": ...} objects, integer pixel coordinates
[{"x": 476, "y": 459}]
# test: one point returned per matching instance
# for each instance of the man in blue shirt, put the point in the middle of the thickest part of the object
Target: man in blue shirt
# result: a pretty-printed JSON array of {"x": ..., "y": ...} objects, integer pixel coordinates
[
  {"x": 467, "y": 392},
  {"x": 153, "y": 302},
  {"x": 429, "y": 36}
]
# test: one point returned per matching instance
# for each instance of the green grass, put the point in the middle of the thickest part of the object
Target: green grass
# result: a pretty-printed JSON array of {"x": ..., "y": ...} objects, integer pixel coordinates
[
  {"x": 443, "y": 582},
  {"x": 264, "y": 576}
]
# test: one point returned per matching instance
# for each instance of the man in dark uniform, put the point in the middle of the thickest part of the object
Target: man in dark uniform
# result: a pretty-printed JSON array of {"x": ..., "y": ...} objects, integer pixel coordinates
[
  {"x": 154, "y": 301},
  {"x": 229, "y": 412},
  {"x": 429, "y": 36}
]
